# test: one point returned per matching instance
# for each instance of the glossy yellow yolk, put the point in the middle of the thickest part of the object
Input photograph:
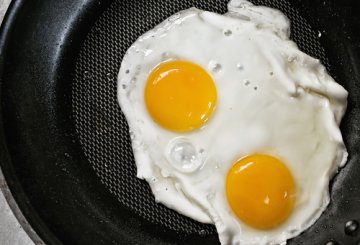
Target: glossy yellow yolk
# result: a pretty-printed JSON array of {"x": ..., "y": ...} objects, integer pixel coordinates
[
  {"x": 260, "y": 191},
  {"x": 180, "y": 95}
]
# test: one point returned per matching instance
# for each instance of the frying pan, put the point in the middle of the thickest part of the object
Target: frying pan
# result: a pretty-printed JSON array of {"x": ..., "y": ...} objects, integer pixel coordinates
[{"x": 64, "y": 144}]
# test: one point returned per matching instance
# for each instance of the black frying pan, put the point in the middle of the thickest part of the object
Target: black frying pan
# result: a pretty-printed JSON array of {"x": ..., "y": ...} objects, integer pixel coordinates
[{"x": 64, "y": 144}]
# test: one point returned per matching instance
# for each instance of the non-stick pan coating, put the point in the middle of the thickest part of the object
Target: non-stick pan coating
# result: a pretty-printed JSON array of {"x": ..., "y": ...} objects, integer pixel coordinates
[{"x": 97, "y": 133}]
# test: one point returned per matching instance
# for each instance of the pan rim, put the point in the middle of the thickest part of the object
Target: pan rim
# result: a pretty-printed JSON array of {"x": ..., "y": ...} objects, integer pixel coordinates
[{"x": 18, "y": 203}]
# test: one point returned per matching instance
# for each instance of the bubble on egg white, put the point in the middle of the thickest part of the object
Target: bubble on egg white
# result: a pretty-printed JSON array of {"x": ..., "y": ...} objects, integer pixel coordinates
[
  {"x": 184, "y": 156},
  {"x": 214, "y": 66},
  {"x": 227, "y": 33},
  {"x": 246, "y": 82},
  {"x": 240, "y": 66},
  {"x": 210, "y": 196}
]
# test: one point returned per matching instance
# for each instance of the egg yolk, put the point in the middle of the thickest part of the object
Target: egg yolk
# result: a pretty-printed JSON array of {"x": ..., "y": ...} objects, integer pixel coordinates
[
  {"x": 260, "y": 191},
  {"x": 180, "y": 95}
]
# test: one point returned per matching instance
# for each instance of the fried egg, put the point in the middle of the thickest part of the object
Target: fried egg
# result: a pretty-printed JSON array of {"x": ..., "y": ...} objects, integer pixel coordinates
[{"x": 231, "y": 124}]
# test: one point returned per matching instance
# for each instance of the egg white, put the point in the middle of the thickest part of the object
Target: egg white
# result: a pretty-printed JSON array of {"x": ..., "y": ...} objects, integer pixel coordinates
[{"x": 272, "y": 98}]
